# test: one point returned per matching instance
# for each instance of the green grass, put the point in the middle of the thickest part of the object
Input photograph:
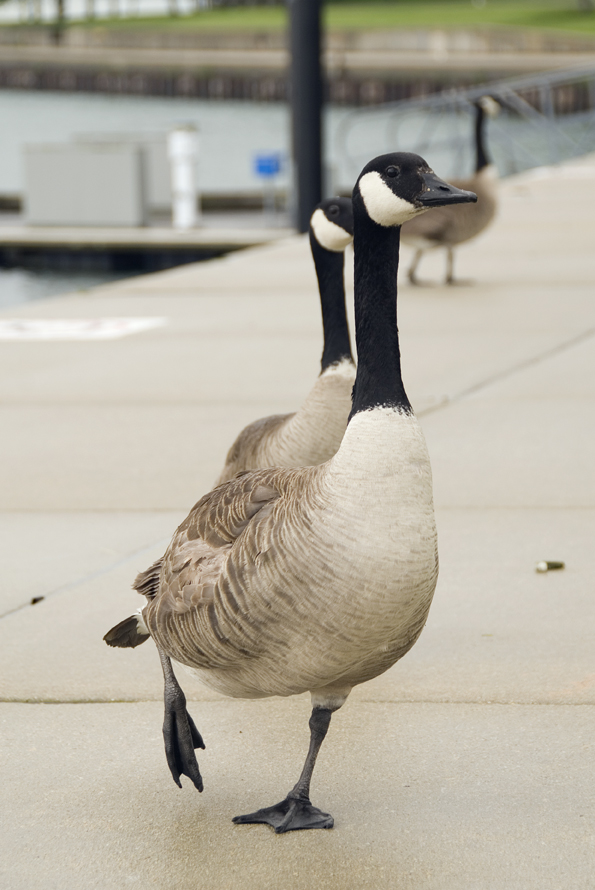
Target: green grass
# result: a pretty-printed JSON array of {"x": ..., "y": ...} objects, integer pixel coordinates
[
  {"x": 246, "y": 18},
  {"x": 357, "y": 15},
  {"x": 506, "y": 13}
]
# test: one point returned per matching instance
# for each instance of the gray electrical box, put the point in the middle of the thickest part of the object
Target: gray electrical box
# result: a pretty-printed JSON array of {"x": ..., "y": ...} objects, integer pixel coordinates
[
  {"x": 84, "y": 185},
  {"x": 156, "y": 163}
]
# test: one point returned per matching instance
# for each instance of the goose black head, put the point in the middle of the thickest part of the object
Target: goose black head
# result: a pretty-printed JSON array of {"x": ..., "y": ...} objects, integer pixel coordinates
[
  {"x": 398, "y": 186},
  {"x": 332, "y": 224}
]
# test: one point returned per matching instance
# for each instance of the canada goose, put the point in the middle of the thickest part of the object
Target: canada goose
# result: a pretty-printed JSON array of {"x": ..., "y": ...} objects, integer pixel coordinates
[
  {"x": 449, "y": 226},
  {"x": 315, "y": 579},
  {"x": 313, "y": 434}
]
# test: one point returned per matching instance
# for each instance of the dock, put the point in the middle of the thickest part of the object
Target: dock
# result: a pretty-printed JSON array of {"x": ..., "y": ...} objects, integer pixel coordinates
[
  {"x": 469, "y": 764},
  {"x": 148, "y": 247}
]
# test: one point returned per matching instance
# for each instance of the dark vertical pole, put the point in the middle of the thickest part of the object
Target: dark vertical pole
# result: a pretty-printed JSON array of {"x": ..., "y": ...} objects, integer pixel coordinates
[
  {"x": 306, "y": 107},
  {"x": 59, "y": 23}
]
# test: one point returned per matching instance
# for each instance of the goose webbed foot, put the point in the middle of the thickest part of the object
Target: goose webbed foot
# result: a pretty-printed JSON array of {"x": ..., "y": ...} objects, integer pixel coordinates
[
  {"x": 291, "y": 814},
  {"x": 180, "y": 734},
  {"x": 296, "y": 813},
  {"x": 181, "y": 737}
]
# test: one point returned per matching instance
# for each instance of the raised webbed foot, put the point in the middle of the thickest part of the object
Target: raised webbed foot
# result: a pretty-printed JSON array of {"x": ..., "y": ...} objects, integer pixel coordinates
[
  {"x": 291, "y": 814},
  {"x": 181, "y": 737}
]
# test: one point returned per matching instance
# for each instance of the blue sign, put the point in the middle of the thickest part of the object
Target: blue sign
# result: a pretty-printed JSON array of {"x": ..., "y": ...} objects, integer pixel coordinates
[{"x": 267, "y": 165}]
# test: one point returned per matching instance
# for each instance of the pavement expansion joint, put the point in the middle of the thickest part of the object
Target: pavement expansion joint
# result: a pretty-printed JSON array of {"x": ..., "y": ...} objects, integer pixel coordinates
[
  {"x": 509, "y": 372},
  {"x": 84, "y": 579},
  {"x": 453, "y": 702}
]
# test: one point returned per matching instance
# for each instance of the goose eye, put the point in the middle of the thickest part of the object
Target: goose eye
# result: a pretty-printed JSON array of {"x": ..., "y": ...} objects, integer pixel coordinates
[
  {"x": 392, "y": 171},
  {"x": 333, "y": 210}
]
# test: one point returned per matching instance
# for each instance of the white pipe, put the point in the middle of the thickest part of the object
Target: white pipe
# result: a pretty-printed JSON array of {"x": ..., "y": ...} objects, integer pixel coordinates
[{"x": 182, "y": 149}]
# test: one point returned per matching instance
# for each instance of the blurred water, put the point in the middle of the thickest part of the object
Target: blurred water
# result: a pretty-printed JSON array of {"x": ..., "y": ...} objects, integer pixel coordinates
[
  {"x": 18, "y": 286},
  {"x": 232, "y": 133}
]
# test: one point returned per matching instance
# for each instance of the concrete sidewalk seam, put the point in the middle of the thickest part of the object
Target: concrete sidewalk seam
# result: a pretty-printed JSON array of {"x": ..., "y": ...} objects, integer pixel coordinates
[
  {"x": 90, "y": 511},
  {"x": 509, "y": 372},
  {"x": 363, "y": 701},
  {"x": 92, "y": 576}
]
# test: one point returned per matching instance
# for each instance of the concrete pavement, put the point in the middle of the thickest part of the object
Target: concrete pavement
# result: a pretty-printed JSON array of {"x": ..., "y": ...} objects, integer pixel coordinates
[{"x": 469, "y": 765}]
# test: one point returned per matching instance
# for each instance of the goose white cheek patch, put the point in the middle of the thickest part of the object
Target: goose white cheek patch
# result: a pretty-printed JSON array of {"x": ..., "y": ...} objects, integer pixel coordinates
[
  {"x": 328, "y": 234},
  {"x": 382, "y": 205}
]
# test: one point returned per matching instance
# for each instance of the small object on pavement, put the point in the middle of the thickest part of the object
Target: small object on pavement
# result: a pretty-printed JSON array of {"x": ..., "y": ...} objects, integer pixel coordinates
[{"x": 548, "y": 566}]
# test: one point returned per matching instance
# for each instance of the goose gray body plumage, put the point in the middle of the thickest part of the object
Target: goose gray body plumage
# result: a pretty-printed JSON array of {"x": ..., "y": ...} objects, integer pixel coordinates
[
  {"x": 312, "y": 434},
  {"x": 241, "y": 552},
  {"x": 305, "y": 438},
  {"x": 318, "y": 578}
]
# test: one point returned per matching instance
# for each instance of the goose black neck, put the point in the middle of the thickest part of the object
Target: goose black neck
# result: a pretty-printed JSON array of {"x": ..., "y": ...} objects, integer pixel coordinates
[
  {"x": 378, "y": 382},
  {"x": 481, "y": 158},
  {"x": 329, "y": 271}
]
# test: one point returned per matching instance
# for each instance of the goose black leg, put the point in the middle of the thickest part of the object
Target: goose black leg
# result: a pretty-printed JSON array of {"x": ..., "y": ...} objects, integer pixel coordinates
[
  {"x": 296, "y": 812},
  {"x": 180, "y": 734},
  {"x": 450, "y": 277},
  {"x": 450, "y": 274},
  {"x": 413, "y": 268}
]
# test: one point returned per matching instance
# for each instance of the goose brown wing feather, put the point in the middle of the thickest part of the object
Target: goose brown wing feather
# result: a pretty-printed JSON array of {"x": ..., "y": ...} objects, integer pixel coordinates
[
  {"x": 147, "y": 582},
  {"x": 222, "y": 515},
  {"x": 202, "y": 616},
  {"x": 198, "y": 555}
]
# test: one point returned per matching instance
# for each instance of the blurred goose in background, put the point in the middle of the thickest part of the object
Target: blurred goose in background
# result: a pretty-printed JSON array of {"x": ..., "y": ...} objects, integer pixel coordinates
[
  {"x": 316, "y": 578},
  {"x": 449, "y": 226},
  {"x": 313, "y": 434}
]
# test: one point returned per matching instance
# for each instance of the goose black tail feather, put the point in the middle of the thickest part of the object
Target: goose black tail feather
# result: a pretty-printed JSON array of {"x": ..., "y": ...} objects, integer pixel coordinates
[
  {"x": 147, "y": 582},
  {"x": 128, "y": 634},
  {"x": 131, "y": 632}
]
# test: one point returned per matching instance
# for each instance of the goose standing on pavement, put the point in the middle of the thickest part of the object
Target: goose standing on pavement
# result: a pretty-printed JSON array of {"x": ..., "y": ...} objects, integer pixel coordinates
[
  {"x": 449, "y": 226},
  {"x": 313, "y": 434},
  {"x": 318, "y": 578}
]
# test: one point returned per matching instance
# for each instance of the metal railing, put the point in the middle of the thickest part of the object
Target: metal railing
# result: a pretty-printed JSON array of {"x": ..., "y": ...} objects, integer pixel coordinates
[{"x": 545, "y": 119}]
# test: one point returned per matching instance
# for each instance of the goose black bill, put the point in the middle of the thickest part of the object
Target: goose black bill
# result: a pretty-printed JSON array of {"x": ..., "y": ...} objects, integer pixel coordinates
[{"x": 437, "y": 193}]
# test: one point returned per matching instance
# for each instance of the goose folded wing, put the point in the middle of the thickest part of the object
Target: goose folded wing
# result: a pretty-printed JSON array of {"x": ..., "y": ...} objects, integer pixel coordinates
[
  {"x": 200, "y": 548},
  {"x": 186, "y": 576}
]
